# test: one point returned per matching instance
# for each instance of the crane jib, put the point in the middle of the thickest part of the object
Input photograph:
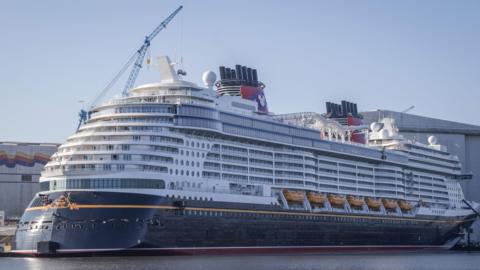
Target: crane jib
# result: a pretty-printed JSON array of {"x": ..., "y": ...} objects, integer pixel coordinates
[
  {"x": 139, "y": 55},
  {"x": 143, "y": 49}
]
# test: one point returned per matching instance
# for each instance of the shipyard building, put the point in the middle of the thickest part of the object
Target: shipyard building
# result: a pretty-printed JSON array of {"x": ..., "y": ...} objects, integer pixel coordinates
[
  {"x": 462, "y": 140},
  {"x": 20, "y": 167}
]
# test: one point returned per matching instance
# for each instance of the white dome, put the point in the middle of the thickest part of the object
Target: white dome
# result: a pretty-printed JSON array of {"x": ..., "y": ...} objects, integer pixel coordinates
[
  {"x": 209, "y": 77},
  {"x": 375, "y": 126},
  {"x": 432, "y": 140}
]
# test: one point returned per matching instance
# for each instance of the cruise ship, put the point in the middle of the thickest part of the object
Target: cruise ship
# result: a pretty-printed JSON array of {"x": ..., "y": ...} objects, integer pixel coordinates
[{"x": 178, "y": 168}]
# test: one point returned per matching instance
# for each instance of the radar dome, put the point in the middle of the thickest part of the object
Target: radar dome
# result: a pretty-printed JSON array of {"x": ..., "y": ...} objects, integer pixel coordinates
[
  {"x": 209, "y": 77},
  {"x": 375, "y": 126},
  {"x": 432, "y": 140}
]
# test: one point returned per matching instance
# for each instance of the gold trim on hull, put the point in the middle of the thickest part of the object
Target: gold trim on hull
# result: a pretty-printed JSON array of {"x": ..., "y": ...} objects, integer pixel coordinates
[{"x": 129, "y": 206}]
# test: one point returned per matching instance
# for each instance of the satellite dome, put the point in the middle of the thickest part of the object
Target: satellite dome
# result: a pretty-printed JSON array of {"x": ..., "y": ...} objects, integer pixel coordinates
[
  {"x": 432, "y": 140},
  {"x": 209, "y": 77},
  {"x": 375, "y": 126}
]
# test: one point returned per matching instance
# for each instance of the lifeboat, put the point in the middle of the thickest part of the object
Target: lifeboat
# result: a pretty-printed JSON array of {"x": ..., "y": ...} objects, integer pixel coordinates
[
  {"x": 374, "y": 204},
  {"x": 336, "y": 200},
  {"x": 404, "y": 205},
  {"x": 355, "y": 202},
  {"x": 389, "y": 204},
  {"x": 318, "y": 198},
  {"x": 293, "y": 195}
]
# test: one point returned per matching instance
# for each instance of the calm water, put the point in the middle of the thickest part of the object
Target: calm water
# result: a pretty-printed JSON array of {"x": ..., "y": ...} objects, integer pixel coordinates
[{"x": 450, "y": 261}]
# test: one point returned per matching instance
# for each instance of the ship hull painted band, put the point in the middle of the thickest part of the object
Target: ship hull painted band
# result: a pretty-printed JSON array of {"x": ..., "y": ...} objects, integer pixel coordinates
[{"x": 203, "y": 227}]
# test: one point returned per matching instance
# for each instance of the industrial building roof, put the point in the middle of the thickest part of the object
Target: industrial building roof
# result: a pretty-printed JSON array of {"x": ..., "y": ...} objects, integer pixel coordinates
[{"x": 416, "y": 123}]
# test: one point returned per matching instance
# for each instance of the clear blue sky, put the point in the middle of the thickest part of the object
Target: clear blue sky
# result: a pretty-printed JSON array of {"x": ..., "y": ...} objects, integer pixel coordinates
[{"x": 379, "y": 54}]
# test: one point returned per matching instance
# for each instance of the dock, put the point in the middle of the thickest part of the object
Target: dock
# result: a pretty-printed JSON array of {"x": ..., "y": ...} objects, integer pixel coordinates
[{"x": 6, "y": 238}]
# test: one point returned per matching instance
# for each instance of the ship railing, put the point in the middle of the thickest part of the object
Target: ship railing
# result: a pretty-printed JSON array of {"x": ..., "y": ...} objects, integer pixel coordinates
[
  {"x": 213, "y": 158},
  {"x": 235, "y": 153},
  {"x": 206, "y": 167},
  {"x": 259, "y": 164},
  {"x": 261, "y": 173},
  {"x": 261, "y": 156},
  {"x": 234, "y": 161},
  {"x": 289, "y": 167},
  {"x": 235, "y": 170}
]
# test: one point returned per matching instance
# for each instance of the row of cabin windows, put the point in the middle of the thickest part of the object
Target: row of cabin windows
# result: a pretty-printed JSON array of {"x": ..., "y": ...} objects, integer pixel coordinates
[
  {"x": 194, "y": 122},
  {"x": 192, "y": 153},
  {"x": 146, "y": 109},
  {"x": 197, "y": 144},
  {"x": 289, "y": 216},
  {"x": 187, "y": 163},
  {"x": 184, "y": 172},
  {"x": 102, "y": 183}
]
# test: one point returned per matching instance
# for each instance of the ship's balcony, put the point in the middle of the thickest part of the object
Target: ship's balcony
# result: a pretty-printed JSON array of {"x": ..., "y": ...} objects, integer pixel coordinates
[
  {"x": 310, "y": 162},
  {"x": 234, "y": 160},
  {"x": 252, "y": 172},
  {"x": 213, "y": 157},
  {"x": 288, "y": 159},
  {"x": 369, "y": 187},
  {"x": 235, "y": 153},
  {"x": 289, "y": 167},
  {"x": 235, "y": 170},
  {"x": 261, "y": 156},
  {"x": 385, "y": 174},
  {"x": 289, "y": 174},
  {"x": 329, "y": 167},
  {"x": 261, "y": 164},
  {"x": 214, "y": 168}
]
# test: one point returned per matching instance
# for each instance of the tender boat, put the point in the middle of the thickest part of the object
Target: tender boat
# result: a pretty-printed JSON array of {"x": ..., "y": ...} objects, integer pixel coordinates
[
  {"x": 355, "y": 202},
  {"x": 389, "y": 204},
  {"x": 336, "y": 200},
  {"x": 294, "y": 195},
  {"x": 404, "y": 205},
  {"x": 373, "y": 203},
  {"x": 316, "y": 198}
]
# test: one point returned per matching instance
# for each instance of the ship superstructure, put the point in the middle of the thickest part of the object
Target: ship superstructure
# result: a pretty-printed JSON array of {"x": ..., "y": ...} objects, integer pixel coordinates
[{"x": 177, "y": 168}]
